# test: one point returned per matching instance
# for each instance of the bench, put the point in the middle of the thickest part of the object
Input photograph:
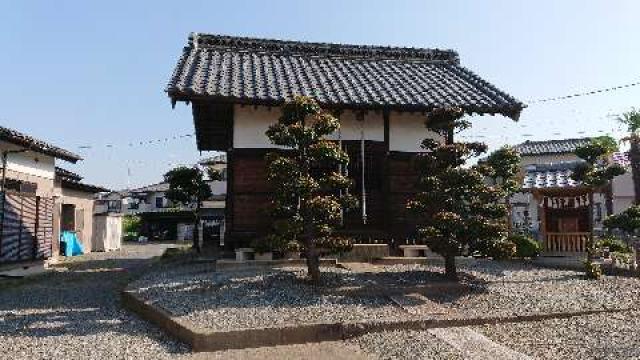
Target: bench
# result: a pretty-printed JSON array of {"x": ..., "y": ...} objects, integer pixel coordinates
[
  {"x": 244, "y": 254},
  {"x": 414, "y": 250}
]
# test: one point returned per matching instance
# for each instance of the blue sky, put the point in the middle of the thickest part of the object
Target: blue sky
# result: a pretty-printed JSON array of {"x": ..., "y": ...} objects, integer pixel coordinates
[{"x": 81, "y": 73}]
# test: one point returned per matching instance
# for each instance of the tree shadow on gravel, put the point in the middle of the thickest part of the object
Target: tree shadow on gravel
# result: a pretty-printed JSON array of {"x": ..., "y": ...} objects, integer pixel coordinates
[
  {"x": 83, "y": 301},
  {"x": 281, "y": 289}
]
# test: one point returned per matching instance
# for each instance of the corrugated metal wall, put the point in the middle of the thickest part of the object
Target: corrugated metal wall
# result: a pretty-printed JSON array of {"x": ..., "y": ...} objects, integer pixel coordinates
[{"x": 26, "y": 227}]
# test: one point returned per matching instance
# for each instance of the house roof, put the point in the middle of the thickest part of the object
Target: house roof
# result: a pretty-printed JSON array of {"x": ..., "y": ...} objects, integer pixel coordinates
[
  {"x": 17, "y": 138},
  {"x": 214, "y": 160},
  {"x": 67, "y": 175},
  {"x": 71, "y": 180},
  {"x": 558, "y": 175},
  {"x": 159, "y": 187},
  {"x": 547, "y": 147},
  {"x": 270, "y": 72},
  {"x": 549, "y": 176}
]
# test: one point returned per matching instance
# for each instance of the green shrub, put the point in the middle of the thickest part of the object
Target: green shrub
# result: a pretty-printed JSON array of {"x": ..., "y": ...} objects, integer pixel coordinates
[
  {"x": 131, "y": 226},
  {"x": 614, "y": 245},
  {"x": 592, "y": 270},
  {"x": 526, "y": 246},
  {"x": 500, "y": 250}
]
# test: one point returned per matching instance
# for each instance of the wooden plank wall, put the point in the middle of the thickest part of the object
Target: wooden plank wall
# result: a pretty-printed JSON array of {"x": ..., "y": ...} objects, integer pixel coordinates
[{"x": 26, "y": 227}]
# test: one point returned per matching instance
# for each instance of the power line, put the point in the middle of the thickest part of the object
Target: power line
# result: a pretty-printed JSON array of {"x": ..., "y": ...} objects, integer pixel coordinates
[{"x": 586, "y": 93}]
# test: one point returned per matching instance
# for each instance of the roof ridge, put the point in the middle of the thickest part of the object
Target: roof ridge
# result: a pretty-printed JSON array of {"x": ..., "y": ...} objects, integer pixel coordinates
[{"x": 203, "y": 40}]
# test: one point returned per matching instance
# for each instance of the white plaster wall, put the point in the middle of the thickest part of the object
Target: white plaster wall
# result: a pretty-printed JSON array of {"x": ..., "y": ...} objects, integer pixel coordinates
[
  {"x": 30, "y": 163},
  {"x": 218, "y": 187},
  {"x": 251, "y": 123},
  {"x": 407, "y": 130},
  {"x": 351, "y": 128},
  {"x": 547, "y": 159},
  {"x": 623, "y": 192}
]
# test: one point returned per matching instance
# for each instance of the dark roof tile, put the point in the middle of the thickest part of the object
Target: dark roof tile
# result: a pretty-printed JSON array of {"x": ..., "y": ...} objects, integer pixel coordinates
[
  {"x": 17, "y": 138},
  {"x": 246, "y": 70},
  {"x": 546, "y": 147}
]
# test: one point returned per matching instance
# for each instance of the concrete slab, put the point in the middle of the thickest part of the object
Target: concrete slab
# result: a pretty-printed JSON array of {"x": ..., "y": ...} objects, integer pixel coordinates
[
  {"x": 335, "y": 350},
  {"x": 474, "y": 345},
  {"x": 24, "y": 270}
]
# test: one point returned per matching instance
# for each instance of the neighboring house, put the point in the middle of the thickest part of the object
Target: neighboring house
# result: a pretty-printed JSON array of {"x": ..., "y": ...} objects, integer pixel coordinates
[
  {"x": 164, "y": 220},
  {"x": 40, "y": 199},
  {"x": 75, "y": 205},
  {"x": 553, "y": 206},
  {"x": 380, "y": 95}
]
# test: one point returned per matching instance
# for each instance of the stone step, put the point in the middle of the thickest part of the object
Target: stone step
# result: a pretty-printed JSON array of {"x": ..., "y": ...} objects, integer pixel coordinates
[{"x": 474, "y": 345}]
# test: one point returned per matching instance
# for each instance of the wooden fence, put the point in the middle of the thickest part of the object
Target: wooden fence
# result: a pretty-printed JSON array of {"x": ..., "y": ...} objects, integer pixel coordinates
[
  {"x": 26, "y": 227},
  {"x": 566, "y": 242}
]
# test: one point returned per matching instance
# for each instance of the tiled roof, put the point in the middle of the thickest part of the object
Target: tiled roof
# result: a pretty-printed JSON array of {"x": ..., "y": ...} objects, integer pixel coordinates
[
  {"x": 559, "y": 175},
  {"x": 622, "y": 158},
  {"x": 549, "y": 176},
  {"x": 33, "y": 144},
  {"x": 67, "y": 175},
  {"x": 547, "y": 147},
  {"x": 269, "y": 72},
  {"x": 160, "y": 187},
  {"x": 71, "y": 180},
  {"x": 213, "y": 160}
]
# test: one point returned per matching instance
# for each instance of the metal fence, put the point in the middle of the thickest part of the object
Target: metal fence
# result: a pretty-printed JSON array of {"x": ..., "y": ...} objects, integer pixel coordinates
[{"x": 26, "y": 227}]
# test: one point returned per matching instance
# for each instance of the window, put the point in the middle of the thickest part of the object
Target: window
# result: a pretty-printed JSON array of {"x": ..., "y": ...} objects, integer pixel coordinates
[
  {"x": 159, "y": 202},
  {"x": 21, "y": 186}
]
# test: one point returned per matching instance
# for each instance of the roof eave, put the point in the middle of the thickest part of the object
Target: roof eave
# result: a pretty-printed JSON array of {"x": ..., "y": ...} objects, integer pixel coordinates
[{"x": 512, "y": 112}]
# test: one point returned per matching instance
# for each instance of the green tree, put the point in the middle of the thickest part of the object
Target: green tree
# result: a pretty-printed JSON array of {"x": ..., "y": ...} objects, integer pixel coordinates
[
  {"x": 631, "y": 120},
  {"x": 187, "y": 186},
  {"x": 595, "y": 173},
  {"x": 627, "y": 221},
  {"x": 456, "y": 207},
  {"x": 503, "y": 167},
  {"x": 308, "y": 188}
]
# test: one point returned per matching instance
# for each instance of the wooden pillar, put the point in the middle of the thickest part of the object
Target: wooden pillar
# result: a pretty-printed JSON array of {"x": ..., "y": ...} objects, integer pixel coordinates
[
  {"x": 543, "y": 216},
  {"x": 388, "y": 217}
]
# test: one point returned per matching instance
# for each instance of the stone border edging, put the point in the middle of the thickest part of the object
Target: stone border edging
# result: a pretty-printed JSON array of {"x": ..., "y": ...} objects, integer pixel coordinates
[{"x": 203, "y": 341}]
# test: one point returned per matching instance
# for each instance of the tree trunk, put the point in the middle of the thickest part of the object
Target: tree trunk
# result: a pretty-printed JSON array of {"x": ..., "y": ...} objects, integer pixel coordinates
[
  {"x": 313, "y": 262},
  {"x": 450, "y": 267},
  {"x": 634, "y": 158}
]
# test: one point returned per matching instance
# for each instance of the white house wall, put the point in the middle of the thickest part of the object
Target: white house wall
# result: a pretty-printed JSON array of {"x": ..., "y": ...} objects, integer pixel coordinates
[
  {"x": 406, "y": 130},
  {"x": 623, "y": 192},
  {"x": 30, "y": 163}
]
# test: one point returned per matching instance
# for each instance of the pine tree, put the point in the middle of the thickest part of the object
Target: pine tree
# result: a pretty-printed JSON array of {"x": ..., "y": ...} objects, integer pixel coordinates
[
  {"x": 595, "y": 173},
  {"x": 457, "y": 209},
  {"x": 309, "y": 191}
]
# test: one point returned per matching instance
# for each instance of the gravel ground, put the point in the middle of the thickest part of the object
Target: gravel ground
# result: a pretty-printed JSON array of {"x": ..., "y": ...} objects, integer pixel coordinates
[
  {"x": 515, "y": 288},
  {"x": 602, "y": 336},
  {"x": 408, "y": 345},
  {"x": 253, "y": 299},
  {"x": 76, "y": 314},
  {"x": 225, "y": 301}
]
